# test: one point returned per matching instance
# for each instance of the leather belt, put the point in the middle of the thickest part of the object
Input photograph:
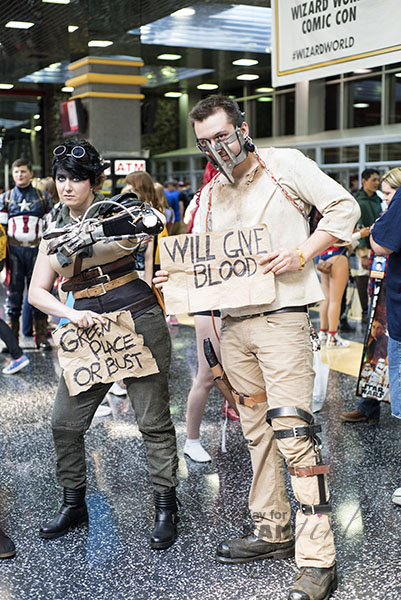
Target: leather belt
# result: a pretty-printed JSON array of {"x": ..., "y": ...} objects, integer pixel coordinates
[
  {"x": 102, "y": 288},
  {"x": 98, "y": 275},
  {"x": 286, "y": 309},
  {"x": 141, "y": 304}
]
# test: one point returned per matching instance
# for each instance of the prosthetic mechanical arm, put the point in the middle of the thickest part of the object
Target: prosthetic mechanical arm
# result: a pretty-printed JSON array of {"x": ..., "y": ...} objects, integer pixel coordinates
[{"x": 123, "y": 217}]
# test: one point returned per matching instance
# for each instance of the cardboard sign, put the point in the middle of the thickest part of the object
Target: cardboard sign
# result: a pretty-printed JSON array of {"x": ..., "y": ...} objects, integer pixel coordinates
[
  {"x": 102, "y": 353},
  {"x": 216, "y": 270}
]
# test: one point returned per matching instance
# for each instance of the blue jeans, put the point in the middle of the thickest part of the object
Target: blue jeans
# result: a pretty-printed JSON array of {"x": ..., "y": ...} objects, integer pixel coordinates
[
  {"x": 369, "y": 407},
  {"x": 394, "y": 372},
  {"x": 22, "y": 260}
]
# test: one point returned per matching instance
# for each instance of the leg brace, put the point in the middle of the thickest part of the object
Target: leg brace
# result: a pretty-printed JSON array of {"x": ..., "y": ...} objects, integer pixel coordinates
[{"x": 319, "y": 469}]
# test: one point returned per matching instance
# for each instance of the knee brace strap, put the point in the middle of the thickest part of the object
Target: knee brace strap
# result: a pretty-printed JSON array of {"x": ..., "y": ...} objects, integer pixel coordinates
[
  {"x": 289, "y": 411},
  {"x": 308, "y": 431},
  {"x": 315, "y": 509},
  {"x": 308, "y": 471},
  {"x": 249, "y": 399}
]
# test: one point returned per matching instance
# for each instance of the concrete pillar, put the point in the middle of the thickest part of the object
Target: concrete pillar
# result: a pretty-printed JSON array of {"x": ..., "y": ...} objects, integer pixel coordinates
[
  {"x": 110, "y": 91},
  {"x": 309, "y": 107}
]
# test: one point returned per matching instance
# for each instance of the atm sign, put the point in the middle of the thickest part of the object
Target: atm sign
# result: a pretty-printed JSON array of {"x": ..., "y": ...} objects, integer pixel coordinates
[{"x": 124, "y": 167}]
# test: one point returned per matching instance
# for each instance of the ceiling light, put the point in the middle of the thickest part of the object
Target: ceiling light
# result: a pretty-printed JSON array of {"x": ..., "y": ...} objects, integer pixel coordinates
[
  {"x": 361, "y": 105},
  {"x": 173, "y": 94},
  {"x": 57, "y": 1},
  {"x": 36, "y": 117},
  {"x": 207, "y": 86},
  {"x": 247, "y": 77},
  {"x": 72, "y": 28},
  {"x": 19, "y": 24},
  {"x": 38, "y": 127},
  {"x": 169, "y": 56},
  {"x": 67, "y": 89},
  {"x": 183, "y": 12},
  {"x": 265, "y": 99},
  {"x": 264, "y": 90},
  {"x": 359, "y": 71},
  {"x": 6, "y": 86},
  {"x": 245, "y": 62},
  {"x": 397, "y": 74},
  {"x": 99, "y": 43}
]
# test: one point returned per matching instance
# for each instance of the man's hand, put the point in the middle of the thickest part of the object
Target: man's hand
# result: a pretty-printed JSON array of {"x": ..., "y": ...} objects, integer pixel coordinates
[
  {"x": 281, "y": 261},
  {"x": 160, "y": 278}
]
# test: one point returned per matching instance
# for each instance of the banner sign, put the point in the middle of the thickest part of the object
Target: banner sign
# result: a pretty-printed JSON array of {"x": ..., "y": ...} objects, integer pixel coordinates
[
  {"x": 216, "y": 270},
  {"x": 373, "y": 380},
  {"x": 321, "y": 38},
  {"x": 102, "y": 353}
]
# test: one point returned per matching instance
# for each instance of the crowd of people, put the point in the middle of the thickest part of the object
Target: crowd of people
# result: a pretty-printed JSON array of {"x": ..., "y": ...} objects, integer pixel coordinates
[{"x": 83, "y": 257}]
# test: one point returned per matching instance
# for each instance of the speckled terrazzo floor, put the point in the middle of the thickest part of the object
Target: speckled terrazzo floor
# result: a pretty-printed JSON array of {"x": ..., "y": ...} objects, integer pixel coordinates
[{"x": 111, "y": 559}]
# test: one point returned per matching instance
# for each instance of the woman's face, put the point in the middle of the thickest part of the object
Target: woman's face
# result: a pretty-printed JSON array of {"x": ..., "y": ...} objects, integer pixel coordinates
[
  {"x": 388, "y": 192},
  {"x": 74, "y": 192}
]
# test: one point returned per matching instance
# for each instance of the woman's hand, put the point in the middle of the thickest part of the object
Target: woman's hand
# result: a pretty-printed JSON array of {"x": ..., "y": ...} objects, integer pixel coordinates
[
  {"x": 160, "y": 278},
  {"x": 281, "y": 260},
  {"x": 85, "y": 318}
]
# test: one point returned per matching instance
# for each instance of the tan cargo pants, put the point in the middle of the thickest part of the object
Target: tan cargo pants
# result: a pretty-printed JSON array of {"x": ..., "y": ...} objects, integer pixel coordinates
[{"x": 274, "y": 353}]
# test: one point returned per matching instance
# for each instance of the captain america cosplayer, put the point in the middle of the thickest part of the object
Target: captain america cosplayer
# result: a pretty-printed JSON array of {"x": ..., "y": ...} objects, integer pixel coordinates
[{"x": 22, "y": 212}]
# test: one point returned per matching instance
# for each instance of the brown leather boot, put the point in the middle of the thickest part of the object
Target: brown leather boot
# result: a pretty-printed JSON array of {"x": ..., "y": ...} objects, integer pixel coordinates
[
  {"x": 249, "y": 548},
  {"x": 313, "y": 583},
  {"x": 40, "y": 334},
  {"x": 354, "y": 416}
]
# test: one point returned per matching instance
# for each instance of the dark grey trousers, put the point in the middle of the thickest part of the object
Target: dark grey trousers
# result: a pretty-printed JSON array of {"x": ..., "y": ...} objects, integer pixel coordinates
[{"x": 72, "y": 415}]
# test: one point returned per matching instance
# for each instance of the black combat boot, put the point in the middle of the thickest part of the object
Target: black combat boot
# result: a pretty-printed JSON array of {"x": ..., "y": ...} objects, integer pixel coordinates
[
  {"x": 7, "y": 548},
  {"x": 165, "y": 532},
  {"x": 73, "y": 512}
]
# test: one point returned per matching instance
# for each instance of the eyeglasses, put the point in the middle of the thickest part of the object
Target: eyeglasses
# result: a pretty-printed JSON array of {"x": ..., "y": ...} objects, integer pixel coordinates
[{"x": 76, "y": 152}]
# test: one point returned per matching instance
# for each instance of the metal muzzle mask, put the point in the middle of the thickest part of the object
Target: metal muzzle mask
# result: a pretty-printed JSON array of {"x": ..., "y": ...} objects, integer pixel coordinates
[{"x": 226, "y": 167}]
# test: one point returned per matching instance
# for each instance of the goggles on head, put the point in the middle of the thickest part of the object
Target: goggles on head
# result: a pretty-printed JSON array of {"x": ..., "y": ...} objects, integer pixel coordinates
[
  {"x": 227, "y": 166},
  {"x": 76, "y": 152}
]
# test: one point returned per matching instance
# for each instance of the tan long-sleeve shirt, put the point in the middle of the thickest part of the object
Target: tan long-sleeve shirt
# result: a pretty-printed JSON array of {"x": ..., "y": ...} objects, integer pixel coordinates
[{"x": 257, "y": 200}]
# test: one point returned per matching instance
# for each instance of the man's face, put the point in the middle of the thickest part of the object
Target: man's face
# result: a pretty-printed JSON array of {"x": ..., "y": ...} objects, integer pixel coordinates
[
  {"x": 217, "y": 128},
  {"x": 371, "y": 185},
  {"x": 22, "y": 176}
]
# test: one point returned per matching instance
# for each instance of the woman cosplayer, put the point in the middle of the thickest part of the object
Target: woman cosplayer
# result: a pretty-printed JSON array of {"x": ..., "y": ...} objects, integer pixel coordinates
[{"x": 94, "y": 249}]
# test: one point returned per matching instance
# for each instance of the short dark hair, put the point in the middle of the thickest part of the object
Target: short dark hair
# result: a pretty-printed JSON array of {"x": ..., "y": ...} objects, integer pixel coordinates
[
  {"x": 212, "y": 104},
  {"x": 22, "y": 162},
  {"x": 91, "y": 166},
  {"x": 367, "y": 173}
]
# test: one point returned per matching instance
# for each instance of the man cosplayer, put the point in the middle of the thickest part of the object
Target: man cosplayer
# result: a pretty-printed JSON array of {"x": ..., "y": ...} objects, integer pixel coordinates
[
  {"x": 22, "y": 212},
  {"x": 266, "y": 349}
]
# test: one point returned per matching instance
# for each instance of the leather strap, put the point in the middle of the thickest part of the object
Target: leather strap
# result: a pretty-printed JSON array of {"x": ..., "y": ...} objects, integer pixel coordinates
[
  {"x": 102, "y": 288},
  {"x": 285, "y": 309},
  {"x": 308, "y": 471},
  {"x": 297, "y": 432},
  {"x": 288, "y": 411},
  {"x": 141, "y": 304},
  {"x": 315, "y": 509},
  {"x": 95, "y": 273},
  {"x": 249, "y": 399}
]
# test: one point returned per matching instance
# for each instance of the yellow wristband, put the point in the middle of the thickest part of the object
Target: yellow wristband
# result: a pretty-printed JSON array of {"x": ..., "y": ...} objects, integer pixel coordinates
[{"x": 301, "y": 259}]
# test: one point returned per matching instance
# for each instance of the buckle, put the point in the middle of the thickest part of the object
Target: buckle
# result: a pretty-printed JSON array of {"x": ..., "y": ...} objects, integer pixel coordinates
[
  {"x": 101, "y": 285},
  {"x": 98, "y": 269}
]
